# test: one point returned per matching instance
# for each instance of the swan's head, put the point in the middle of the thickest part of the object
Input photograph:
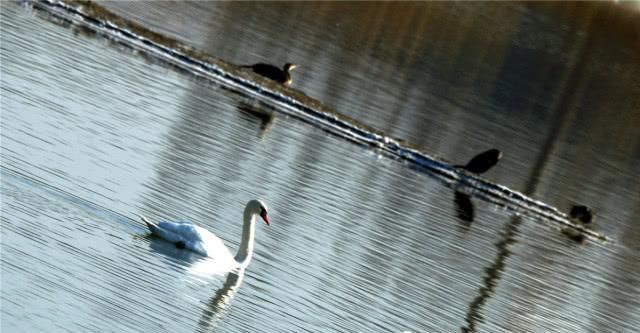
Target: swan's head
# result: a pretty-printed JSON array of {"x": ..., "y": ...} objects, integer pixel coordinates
[{"x": 257, "y": 207}]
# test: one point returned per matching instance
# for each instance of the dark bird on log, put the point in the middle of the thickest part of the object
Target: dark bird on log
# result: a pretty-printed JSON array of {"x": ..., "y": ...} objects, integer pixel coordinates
[
  {"x": 582, "y": 214},
  {"x": 482, "y": 162},
  {"x": 274, "y": 73}
]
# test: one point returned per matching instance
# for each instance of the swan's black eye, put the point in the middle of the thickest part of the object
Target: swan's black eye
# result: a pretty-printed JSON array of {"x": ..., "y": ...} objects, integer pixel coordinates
[{"x": 263, "y": 211}]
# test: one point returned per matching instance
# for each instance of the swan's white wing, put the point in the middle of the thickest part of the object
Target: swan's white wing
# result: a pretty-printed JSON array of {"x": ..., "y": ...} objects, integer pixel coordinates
[
  {"x": 181, "y": 231},
  {"x": 212, "y": 245}
]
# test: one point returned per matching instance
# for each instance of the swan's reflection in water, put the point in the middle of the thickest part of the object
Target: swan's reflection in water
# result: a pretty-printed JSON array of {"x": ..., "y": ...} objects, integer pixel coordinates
[
  {"x": 206, "y": 268},
  {"x": 203, "y": 270},
  {"x": 216, "y": 308}
]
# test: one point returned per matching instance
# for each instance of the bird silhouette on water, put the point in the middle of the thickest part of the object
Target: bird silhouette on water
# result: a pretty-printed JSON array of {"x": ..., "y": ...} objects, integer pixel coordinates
[
  {"x": 282, "y": 76},
  {"x": 581, "y": 215},
  {"x": 481, "y": 163}
]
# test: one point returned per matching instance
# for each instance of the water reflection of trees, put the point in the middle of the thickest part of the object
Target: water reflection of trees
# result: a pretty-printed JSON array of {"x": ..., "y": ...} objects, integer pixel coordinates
[{"x": 558, "y": 74}]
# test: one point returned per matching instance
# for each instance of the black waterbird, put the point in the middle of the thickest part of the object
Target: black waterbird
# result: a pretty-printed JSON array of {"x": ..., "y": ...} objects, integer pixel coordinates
[
  {"x": 481, "y": 163},
  {"x": 581, "y": 214},
  {"x": 274, "y": 73}
]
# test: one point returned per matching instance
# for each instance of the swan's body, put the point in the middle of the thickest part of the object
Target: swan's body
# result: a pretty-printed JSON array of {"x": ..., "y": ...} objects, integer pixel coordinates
[
  {"x": 190, "y": 236},
  {"x": 197, "y": 239}
]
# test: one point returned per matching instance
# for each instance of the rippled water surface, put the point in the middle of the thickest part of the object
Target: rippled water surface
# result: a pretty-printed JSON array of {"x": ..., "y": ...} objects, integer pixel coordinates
[{"x": 94, "y": 134}]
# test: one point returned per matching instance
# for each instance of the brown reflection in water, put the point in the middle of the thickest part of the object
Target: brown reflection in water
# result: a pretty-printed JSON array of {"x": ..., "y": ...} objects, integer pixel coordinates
[
  {"x": 259, "y": 111},
  {"x": 494, "y": 272},
  {"x": 492, "y": 276},
  {"x": 387, "y": 57}
]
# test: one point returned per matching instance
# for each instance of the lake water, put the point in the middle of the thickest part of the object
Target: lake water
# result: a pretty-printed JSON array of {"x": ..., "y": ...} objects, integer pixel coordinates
[{"x": 94, "y": 134}]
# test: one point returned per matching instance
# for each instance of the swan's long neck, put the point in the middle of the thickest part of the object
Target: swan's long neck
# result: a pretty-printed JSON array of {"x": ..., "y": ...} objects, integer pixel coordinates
[{"x": 245, "y": 251}]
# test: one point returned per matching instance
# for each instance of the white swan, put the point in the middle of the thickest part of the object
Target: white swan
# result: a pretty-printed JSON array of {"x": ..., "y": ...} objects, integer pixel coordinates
[{"x": 190, "y": 236}]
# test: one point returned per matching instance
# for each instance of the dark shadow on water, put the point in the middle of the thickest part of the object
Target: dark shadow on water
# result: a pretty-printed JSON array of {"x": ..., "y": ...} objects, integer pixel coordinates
[
  {"x": 492, "y": 276},
  {"x": 260, "y": 111},
  {"x": 254, "y": 109},
  {"x": 464, "y": 207}
]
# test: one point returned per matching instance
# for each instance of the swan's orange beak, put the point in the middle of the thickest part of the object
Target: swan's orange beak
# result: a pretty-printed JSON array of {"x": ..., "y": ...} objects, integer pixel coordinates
[{"x": 264, "y": 217}]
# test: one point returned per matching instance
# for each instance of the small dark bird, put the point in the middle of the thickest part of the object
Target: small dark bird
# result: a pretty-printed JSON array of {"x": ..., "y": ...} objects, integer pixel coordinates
[
  {"x": 274, "y": 73},
  {"x": 482, "y": 162},
  {"x": 582, "y": 214}
]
